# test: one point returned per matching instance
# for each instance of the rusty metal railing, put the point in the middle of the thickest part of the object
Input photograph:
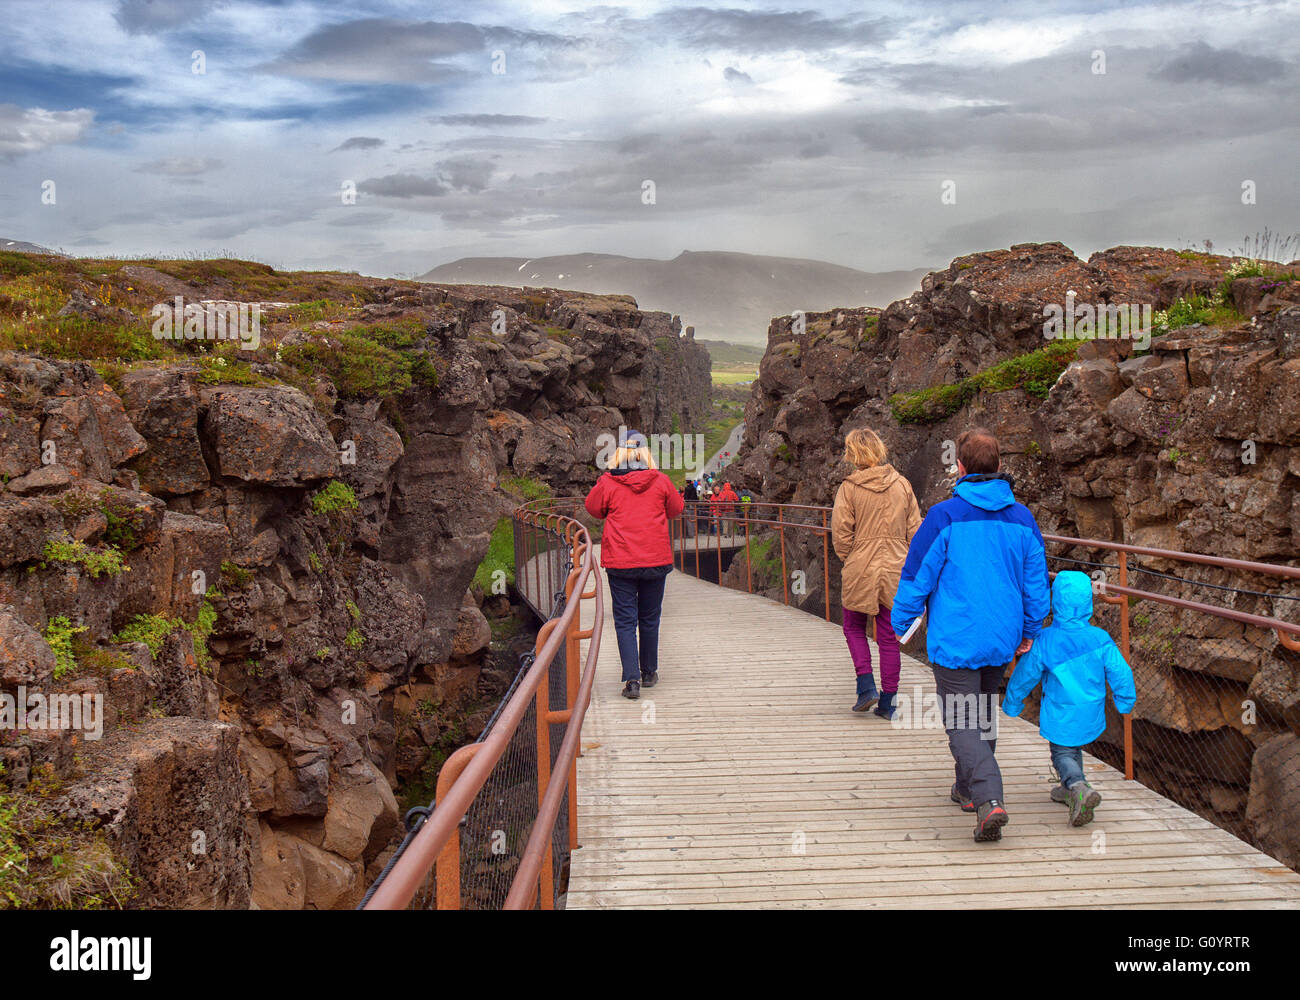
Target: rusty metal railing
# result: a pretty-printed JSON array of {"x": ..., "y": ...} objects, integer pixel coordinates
[
  {"x": 735, "y": 530},
  {"x": 555, "y": 572},
  {"x": 1123, "y": 597}
]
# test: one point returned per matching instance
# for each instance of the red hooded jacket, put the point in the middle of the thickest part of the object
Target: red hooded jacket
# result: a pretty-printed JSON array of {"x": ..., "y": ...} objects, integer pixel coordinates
[
  {"x": 724, "y": 502},
  {"x": 636, "y": 506}
]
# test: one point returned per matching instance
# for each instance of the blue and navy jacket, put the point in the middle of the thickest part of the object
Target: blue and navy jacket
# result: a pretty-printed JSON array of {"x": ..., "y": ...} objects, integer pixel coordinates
[
  {"x": 1075, "y": 661},
  {"x": 977, "y": 564}
]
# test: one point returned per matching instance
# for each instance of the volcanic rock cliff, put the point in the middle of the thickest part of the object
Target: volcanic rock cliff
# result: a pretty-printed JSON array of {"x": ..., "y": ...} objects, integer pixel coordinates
[
  {"x": 262, "y": 559},
  {"x": 1193, "y": 445}
]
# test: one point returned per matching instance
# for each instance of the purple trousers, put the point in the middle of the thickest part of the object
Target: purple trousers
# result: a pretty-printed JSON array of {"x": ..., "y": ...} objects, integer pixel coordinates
[{"x": 855, "y": 633}]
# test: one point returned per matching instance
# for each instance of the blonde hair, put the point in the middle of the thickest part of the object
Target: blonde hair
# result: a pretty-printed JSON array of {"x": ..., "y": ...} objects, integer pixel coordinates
[
  {"x": 863, "y": 448},
  {"x": 623, "y": 458}
]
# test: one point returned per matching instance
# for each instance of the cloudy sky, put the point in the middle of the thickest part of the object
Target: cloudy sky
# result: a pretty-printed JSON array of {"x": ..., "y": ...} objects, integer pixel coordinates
[{"x": 826, "y": 130}]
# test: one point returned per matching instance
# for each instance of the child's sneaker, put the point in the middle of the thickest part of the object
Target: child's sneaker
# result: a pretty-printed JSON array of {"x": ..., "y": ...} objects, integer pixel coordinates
[
  {"x": 1084, "y": 800},
  {"x": 991, "y": 819}
]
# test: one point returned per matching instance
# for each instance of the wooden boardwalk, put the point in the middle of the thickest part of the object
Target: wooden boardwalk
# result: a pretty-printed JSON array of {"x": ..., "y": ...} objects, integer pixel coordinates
[{"x": 743, "y": 780}]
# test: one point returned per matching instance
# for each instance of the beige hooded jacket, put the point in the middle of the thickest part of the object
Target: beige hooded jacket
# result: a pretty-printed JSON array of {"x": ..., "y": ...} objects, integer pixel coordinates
[{"x": 873, "y": 522}]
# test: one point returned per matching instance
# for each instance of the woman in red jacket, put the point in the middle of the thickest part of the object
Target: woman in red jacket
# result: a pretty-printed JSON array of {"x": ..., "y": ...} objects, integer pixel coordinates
[{"x": 636, "y": 500}]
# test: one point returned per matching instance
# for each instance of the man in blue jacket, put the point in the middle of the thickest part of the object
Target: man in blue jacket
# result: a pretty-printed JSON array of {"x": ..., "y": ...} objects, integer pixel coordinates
[
  {"x": 977, "y": 564},
  {"x": 1075, "y": 661}
]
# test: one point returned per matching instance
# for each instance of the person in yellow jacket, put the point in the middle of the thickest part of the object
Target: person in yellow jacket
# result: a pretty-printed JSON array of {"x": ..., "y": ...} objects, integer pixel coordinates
[{"x": 874, "y": 519}]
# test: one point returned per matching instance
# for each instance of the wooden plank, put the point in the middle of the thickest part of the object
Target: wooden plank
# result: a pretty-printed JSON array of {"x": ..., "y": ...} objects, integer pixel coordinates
[{"x": 698, "y": 794}]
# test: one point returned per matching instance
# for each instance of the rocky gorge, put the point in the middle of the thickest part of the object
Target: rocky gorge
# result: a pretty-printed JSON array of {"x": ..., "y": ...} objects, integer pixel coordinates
[
  {"x": 1191, "y": 445},
  {"x": 262, "y": 562}
]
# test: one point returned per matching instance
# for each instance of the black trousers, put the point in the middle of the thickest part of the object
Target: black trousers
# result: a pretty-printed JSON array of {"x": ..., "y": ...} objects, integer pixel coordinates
[{"x": 969, "y": 701}]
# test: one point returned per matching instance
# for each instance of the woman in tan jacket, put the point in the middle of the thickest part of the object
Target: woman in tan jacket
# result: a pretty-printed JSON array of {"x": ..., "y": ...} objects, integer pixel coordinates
[{"x": 874, "y": 519}]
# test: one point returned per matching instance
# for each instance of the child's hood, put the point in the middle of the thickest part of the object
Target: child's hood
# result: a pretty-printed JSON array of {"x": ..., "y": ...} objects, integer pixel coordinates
[{"x": 1071, "y": 598}]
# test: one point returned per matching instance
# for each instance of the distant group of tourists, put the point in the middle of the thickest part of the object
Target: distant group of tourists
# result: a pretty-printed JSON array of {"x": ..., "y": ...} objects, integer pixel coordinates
[
  {"x": 716, "y": 505},
  {"x": 974, "y": 567}
]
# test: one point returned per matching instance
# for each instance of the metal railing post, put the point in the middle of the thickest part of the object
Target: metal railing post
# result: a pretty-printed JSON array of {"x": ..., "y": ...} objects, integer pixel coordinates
[
  {"x": 1124, "y": 649},
  {"x": 826, "y": 565},
  {"x": 718, "y": 548},
  {"x": 749, "y": 580},
  {"x": 785, "y": 579},
  {"x": 446, "y": 872},
  {"x": 546, "y": 898},
  {"x": 697, "y": 540},
  {"x": 571, "y": 654}
]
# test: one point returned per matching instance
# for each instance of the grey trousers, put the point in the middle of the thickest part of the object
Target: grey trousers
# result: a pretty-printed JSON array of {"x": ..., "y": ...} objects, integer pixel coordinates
[{"x": 969, "y": 701}]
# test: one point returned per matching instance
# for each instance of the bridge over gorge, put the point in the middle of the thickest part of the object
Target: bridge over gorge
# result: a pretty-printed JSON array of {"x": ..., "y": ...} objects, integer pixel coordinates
[{"x": 742, "y": 780}]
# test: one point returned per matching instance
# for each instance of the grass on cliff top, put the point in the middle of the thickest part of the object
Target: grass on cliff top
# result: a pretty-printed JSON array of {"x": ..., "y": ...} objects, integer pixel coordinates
[
  {"x": 50, "y": 862},
  {"x": 372, "y": 360},
  {"x": 1035, "y": 372}
]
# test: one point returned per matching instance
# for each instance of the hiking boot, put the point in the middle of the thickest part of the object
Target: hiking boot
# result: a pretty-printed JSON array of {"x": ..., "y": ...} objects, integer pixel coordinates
[
  {"x": 867, "y": 694},
  {"x": 967, "y": 806},
  {"x": 632, "y": 689},
  {"x": 990, "y": 819},
  {"x": 886, "y": 707},
  {"x": 649, "y": 680},
  {"x": 1084, "y": 800},
  {"x": 1061, "y": 794}
]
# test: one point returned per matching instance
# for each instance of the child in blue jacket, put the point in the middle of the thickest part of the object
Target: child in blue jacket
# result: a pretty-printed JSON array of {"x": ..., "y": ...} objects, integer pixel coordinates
[{"x": 1075, "y": 661}]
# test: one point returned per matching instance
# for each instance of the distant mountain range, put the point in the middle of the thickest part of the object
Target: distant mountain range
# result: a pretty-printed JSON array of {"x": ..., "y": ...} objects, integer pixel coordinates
[
  {"x": 725, "y": 296},
  {"x": 18, "y": 246}
]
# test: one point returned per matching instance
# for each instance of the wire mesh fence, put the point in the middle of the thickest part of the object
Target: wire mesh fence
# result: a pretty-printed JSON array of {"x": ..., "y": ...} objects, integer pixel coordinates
[
  {"x": 498, "y": 824},
  {"x": 478, "y": 867}
]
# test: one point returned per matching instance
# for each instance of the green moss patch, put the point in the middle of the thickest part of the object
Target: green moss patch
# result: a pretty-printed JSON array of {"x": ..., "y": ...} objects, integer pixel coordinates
[{"x": 1035, "y": 373}]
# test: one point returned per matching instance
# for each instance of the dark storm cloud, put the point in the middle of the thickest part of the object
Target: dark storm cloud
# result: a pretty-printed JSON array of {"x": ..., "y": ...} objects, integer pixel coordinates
[
  {"x": 378, "y": 49},
  {"x": 386, "y": 49},
  {"x": 1201, "y": 63},
  {"x": 403, "y": 186},
  {"x": 733, "y": 75},
  {"x": 358, "y": 142},
  {"x": 466, "y": 173}
]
